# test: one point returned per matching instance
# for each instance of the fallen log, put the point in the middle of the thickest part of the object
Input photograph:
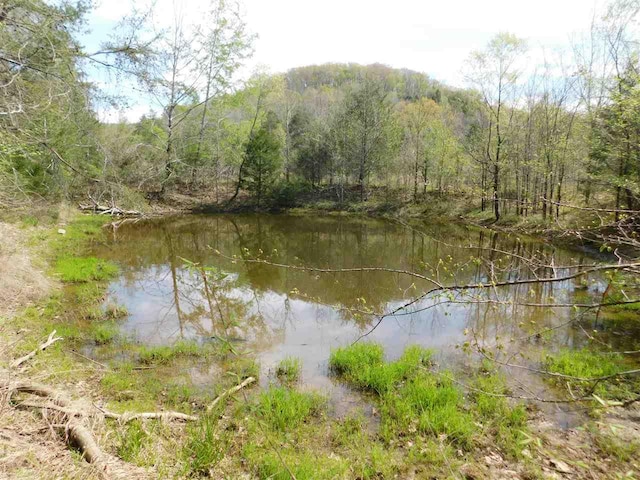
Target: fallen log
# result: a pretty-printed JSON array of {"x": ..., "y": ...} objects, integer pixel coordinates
[
  {"x": 114, "y": 211},
  {"x": 231, "y": 391}
]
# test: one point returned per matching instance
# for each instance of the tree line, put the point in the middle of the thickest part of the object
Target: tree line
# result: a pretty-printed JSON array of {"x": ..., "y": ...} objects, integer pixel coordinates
[{"x": 524, "y": 138}]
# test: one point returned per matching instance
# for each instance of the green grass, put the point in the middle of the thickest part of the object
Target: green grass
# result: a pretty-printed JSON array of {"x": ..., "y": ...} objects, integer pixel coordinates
[
  {"x": 505, "y": 422},
  {"x": 592, "y": 364},
  {"x": 131, "y": 442},
  {"x": 283, "y": 409},
  {"x": 242, "y": 367},
  {"x": 430, "y": 406},
  {"x": 363, "y": 365},
  {"x": 303, "y": 465},
  {"x": 84, "y": 269},
  {"x": 205, "y": 446},
  {"x": 166, "y": 353},
  {"x": 104, "y": 333},
  {"x": 289, "y": 369}
]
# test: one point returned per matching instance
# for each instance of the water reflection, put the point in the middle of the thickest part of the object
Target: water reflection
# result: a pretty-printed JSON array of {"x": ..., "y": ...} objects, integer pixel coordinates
[{"x": 281, "y": 312}]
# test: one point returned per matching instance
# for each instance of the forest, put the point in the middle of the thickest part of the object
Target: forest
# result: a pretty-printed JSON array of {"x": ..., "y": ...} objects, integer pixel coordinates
[
  {"x": 520, "y": 140},
  {"x": 209, "y": 269}
]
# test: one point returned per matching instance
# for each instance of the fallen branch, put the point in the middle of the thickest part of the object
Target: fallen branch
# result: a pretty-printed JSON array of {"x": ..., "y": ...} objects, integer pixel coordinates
[
  {"x": 129, "y": 417},
  {"x": 231, "y": 391},
  {"x": 50, "y": 341},
  {"x": 114, "y": 211}
]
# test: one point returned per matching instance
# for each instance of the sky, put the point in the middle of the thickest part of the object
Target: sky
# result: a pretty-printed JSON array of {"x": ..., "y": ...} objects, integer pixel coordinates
[{"x": 434, "y": 37}]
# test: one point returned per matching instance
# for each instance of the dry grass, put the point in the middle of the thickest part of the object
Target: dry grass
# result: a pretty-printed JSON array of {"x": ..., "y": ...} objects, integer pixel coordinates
[{"x": 21, "y": 283}]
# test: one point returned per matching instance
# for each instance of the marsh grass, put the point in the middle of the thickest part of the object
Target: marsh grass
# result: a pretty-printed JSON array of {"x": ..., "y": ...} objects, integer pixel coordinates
[
  {"x": 104, "y": 333},
  {"x": 167, "y": 353},
  {"x": 588, "y": 363},
  {"x": 363, "y": 365},
  {"x": 289, "y": 369},
  {"x": 131, "y": 442},
  {"x": 115, "y": 312},
  {"x": 303, "y": 465},
  {"x": 84, "y": 269},
  {"x": 284, "y": 409},
  {"x": 206, "y": 445}
]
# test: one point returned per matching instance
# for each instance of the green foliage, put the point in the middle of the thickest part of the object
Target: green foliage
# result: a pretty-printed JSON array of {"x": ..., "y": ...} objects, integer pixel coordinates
[
  {"x": 287, "y": 194},
  {"x": 84, "y": 269},
  {"x": 283, "y": 409},
  {"x": 289, "y": 369}
]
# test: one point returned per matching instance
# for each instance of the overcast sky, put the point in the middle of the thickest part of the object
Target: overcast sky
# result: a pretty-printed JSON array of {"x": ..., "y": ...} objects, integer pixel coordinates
[{"x": 434, "y": 37}]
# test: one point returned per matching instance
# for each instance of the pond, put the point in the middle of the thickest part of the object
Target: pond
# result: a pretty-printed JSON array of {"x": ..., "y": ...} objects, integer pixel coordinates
[{"x": 277, "y": 312}]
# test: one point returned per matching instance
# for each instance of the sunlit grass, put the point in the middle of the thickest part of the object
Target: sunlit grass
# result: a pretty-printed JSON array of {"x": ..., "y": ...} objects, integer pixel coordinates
[
  {"x": 84, "y": 269},
  {"x": 283, "y": 408}
]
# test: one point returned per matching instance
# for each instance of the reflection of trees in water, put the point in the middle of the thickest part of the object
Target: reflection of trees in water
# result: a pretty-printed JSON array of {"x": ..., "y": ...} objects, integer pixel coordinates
[{"x": 450, "y": 253}]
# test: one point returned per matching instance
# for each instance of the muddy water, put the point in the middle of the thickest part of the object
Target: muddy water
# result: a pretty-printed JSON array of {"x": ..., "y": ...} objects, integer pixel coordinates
[{"x": 278, "y": 312}]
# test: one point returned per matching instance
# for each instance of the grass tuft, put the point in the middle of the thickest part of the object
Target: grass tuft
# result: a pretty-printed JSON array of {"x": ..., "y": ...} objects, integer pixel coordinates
[
  {"x": 284, "y": 409},
  {"x": 166, "y": 353},
  {"x": 289, "y": 369},
  {"x": 205, "y": 446}
]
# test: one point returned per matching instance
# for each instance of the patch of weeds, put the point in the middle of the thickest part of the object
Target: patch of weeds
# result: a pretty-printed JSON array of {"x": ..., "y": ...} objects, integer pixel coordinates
[
  {"x": 289, "y": 369},
  {"x": 506, "y": 423},
  {"x": 430, "y": 406},
  {"x": 615, "y": 447},
  {"x": 432, "y": 453},
  {"x": 29, "y": 221},
  {"x": 131, "y": 442},
  {"x": 369, "y": 459},
  {"x": 86, "y": 293},
  {"x": 303, "y": 465},
  {"x": 205, "y": 446},
  {"x": 114, "y": 311},
  {"x": 591, "y": 364},
  {"x": 84, "y": 269},
  {"x": 242, "y": 368},
  {"x": 284, "y": 409},
  {"x": 363, "y": 365},
  {"x": 166, "y": 353},
  {"x": 412, "y": 399},
  {"x": 104, "y": 333}
]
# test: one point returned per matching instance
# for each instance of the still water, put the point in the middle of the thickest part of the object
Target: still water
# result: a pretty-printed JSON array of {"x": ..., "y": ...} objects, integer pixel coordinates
[{"x": 279, "y": 312}]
